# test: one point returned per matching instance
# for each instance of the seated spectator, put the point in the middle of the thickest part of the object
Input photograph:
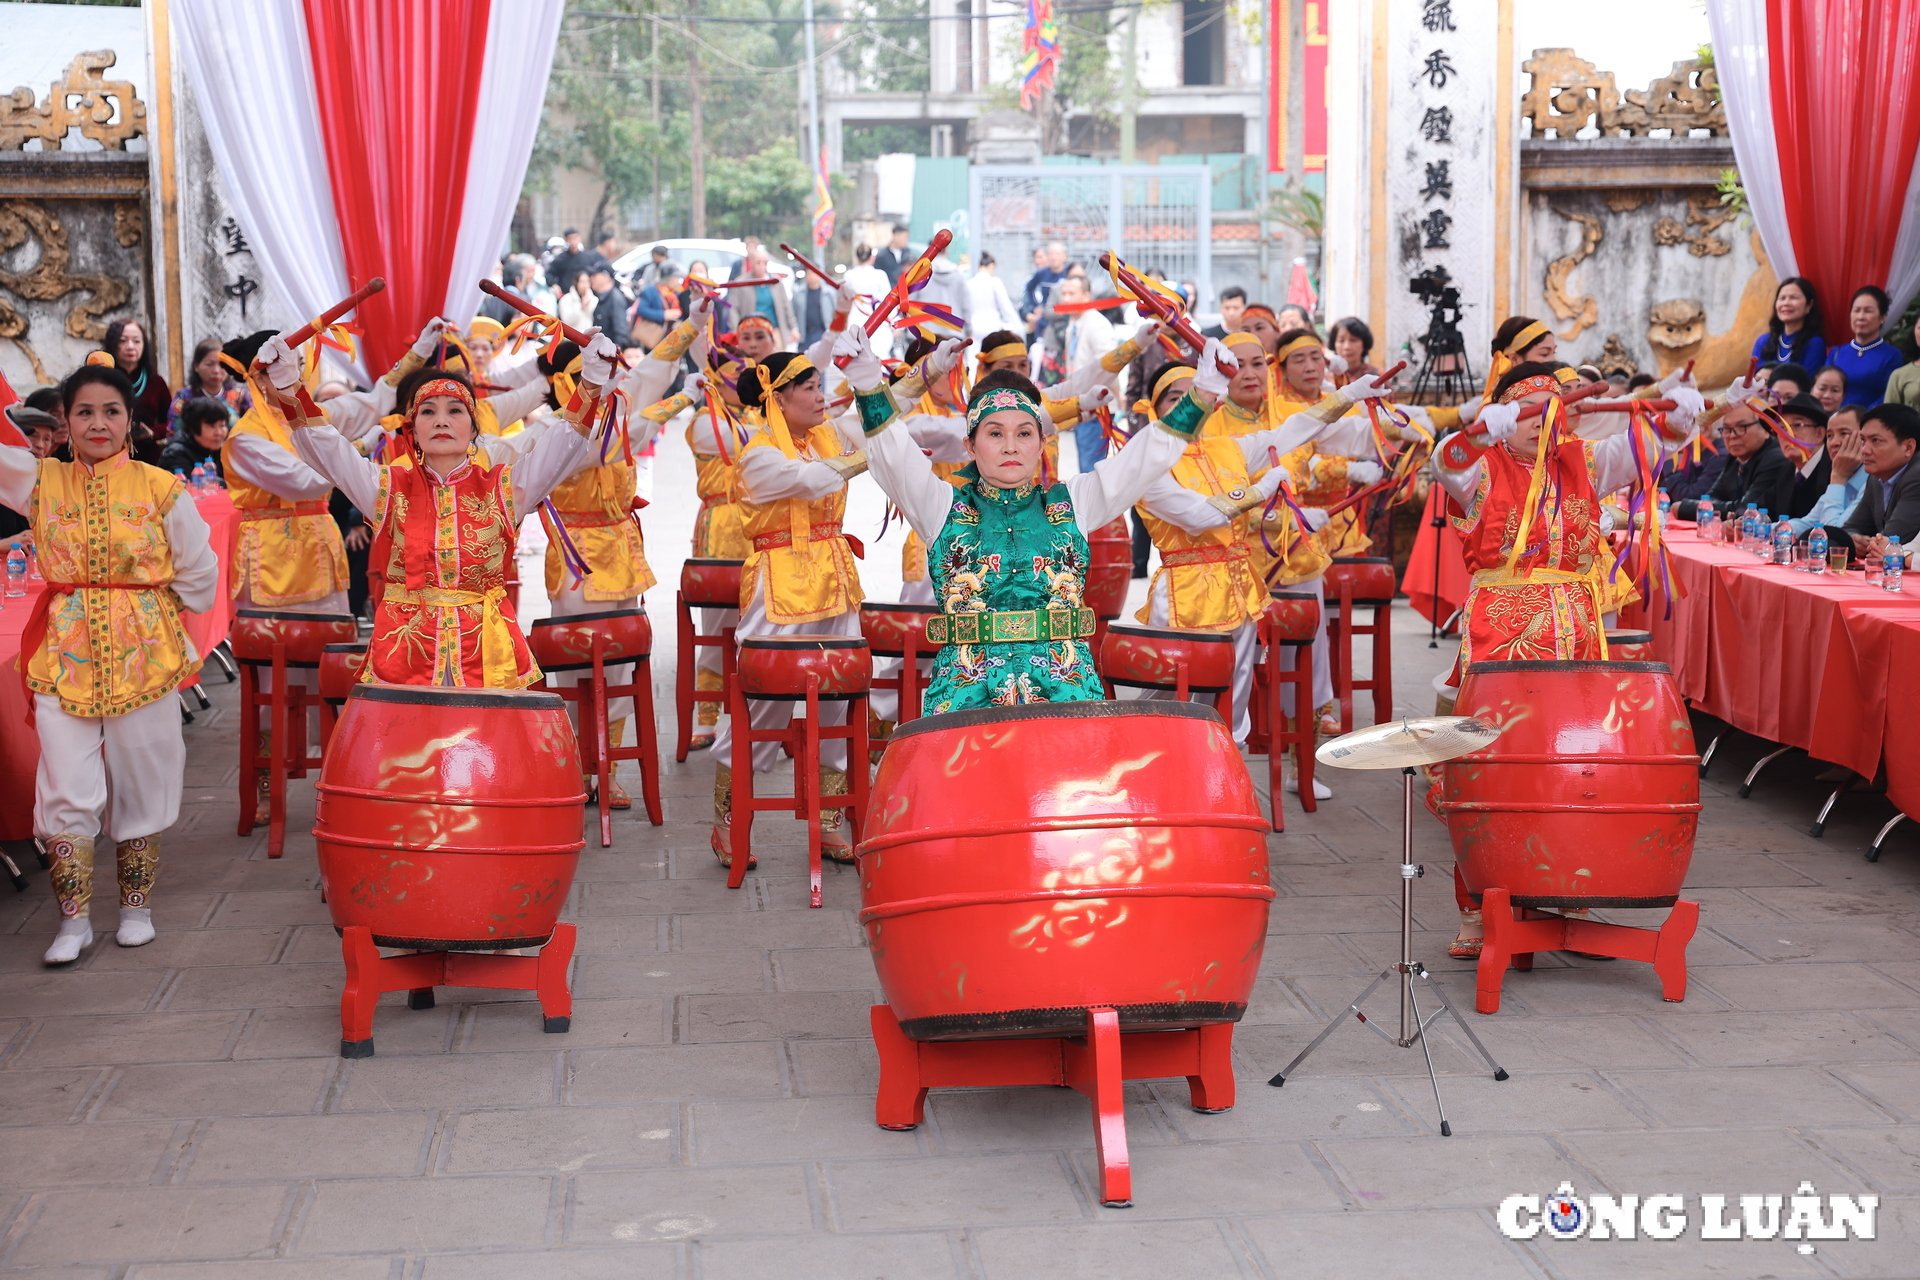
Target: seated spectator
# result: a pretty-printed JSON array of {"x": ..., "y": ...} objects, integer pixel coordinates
[
  {"x": 208, "y": 379},
  {"x": 1804, "y": 443},
  {"x": 1756, "y": 471},
  {"x": 1794, "y": 331},
  {"x": 37, "y": 425},
  {"x": 1891, "y": 504},
  {"x": 1639, "y": 380},
  {"x": 1787, "y": 381},
  {"x": 203, "y": 429},
  {"x": 1830, "y": 387},
  {"x": 47, "y": 400},
  {"x": 1847, "y": 481},
  {"x": 1869, "y": 360},
  {"x": 1904, "y": 386}
]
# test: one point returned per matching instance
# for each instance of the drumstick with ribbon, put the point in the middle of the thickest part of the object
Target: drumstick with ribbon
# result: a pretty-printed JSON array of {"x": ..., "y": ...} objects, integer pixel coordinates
[
  {"x": 525, "y": 308},
  {"x": 826, "y": 276},
  {"x": 1622, "y": 406},
  {"x": 326, "y": 318},
  {"x": 1478, "y": 428},
  {"x": 1155, "y": 304},
  {"x": 921, "y": 268}
]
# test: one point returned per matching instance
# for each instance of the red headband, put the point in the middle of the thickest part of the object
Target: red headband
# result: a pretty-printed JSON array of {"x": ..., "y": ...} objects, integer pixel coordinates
[
  {"x": 759, "y": 320},
  {"x": 441, "y": 387},
  {"x": 1528, "y": 386}
]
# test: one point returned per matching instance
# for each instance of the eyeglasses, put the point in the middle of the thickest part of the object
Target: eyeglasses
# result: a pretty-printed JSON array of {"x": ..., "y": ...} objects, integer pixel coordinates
[{"x": 1734, "y": 429}]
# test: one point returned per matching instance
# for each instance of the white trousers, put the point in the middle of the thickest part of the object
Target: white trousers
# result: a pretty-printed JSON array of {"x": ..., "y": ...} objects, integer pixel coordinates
[
  {"x": 776, "y": 715},
  {"x": 118, "y": 773},
  {"x": 1323, "y": 654},
  {"x": 566, "y": 603}
]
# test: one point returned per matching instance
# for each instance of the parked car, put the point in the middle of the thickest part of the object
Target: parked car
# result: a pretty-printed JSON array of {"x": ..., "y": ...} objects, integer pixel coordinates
[{"x": 719, "y": 255}]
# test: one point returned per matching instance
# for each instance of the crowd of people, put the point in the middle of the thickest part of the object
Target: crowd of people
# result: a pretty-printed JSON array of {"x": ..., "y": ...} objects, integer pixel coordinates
[{"x": 1235, "y": 461}]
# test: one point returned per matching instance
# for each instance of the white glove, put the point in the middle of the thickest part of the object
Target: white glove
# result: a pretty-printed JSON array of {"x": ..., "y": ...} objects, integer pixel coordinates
[
  {"x": 1268, "y": 483},
  {"x": 431, "y": 337},
  {"x": 1367, "y": 388},
  {"x": 281, "y": 363},
  {"x": 698, "y": 309},
  {"x": 1215, "y": 370},
  {"x": 1362, "y": 472},
  {"x": 845, "y": 296},
  {"x": 1335, "y": 364},
  {"x": 1607, "y": 523},
  {"x": 1687, "y": 403},
  {"x": 1501, "y": 421},
  {"x": 1680, "y": 377},
  {"x": 695, "y": 386},
  {"x": 1470, "y": 411},
  {"x": 862, "y": 367},
  {"x": 1147, "y": 334},
  {"x": 1099, "y": 398},
  {"x": 597, "y": 361},
  {"x": 944, "y": 356},
  {"x": 1740, "y": 390},
  {"x": 1315, "y": 518}
]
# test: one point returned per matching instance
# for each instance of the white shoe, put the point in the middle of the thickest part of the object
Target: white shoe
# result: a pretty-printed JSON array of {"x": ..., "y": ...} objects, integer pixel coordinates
[
  {"x": 74, "y": 937},
  {"x": 1321, "y": 791},
  {"x": 136, "y": 927}
]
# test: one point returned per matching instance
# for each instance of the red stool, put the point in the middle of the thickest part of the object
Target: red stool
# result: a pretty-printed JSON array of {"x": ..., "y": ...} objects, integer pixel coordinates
[
  {"x": 1186, "y": 662},
  {"x": 1354, "y": 583},
  {"x": 810, "y": 670},
  {"x": 281, "y": 643},
  {"x": 593, "y": 642},
  {"x": 899, "y": 630},
  {"x": 704, "y": 584},
  {"x": 1290, "y": 623},
  {"x": 1629, "y": 646},
  {"x": 1109, "y": 574}
]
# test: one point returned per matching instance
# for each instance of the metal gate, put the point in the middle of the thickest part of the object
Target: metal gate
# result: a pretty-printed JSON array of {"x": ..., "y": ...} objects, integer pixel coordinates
[{"x": 1158, "y": 216}]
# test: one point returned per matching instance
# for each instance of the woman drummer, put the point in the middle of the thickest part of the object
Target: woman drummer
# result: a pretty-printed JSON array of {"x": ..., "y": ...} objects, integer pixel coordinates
[
  {"x": 1009, "y": 555},
  {"x": 445, "y": 522},
  {"x": 125, "y": 553},
  {"x": 799, "y": 576}
]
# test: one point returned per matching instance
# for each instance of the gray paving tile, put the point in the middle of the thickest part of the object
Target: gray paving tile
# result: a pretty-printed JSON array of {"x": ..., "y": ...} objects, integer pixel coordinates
[
  {"x": 669, "y": 973},
  {"x": 1761, "y": 1039},
  {"x": 304, "y": 1031},
  {"x": 666, "y": 897},
  {"x": 517, "y": 1024},
  {"x": 190, "y": 949},
  {"x": 674, "y": 1072},
  {"x": 922, "y": 1256},
  {"x": 1221, "y": 1179},
  {"x": 685, "y": 1204},
  {"x": 1467, "y": 1171},
  {"x": 1888, "y": 1158},
  {"x": 425, "y": 1082},
  {"x": 89, "y": 1155},
  {"x": 135, "y": 1037},
  {"x": 1681, "y": 1259},
  {"x": 1117, "y": 1251},
  {"x": 288, "y": 1148},
  {"x": 1384, "y": 1246},
  {"x": 951, "y": 1191},
  {"x": 791, "y": 1129},
  {"x": 186, "y": 1090},
  {"x": 35, "y": 994},
  {"x": 1729, "y": 1160},
  {"x": 1749, "y": 1097},
  {"x": 1806, "y": 986},
  {"x": 1576, "y": 1102},
  {"x": 800, "y": 1015},
  {"x": 775, "y": 929},
  {"x": 648, "y": 1262},
  {"x": 824, "y": 1067},
  {"x": 560, "y": 1139},
  {"x": 418, "y": 1214},
  {"x": 257, "y": 907},
  {"x": 1891, "y": 1251},
  {"x": 825, "y": 969},
  {"x": 140, "y": 1224},
  {"x": 269, "y": 1269},
  {"x": 1828, "y": 941},
  {"x": 258, "y": 985}
]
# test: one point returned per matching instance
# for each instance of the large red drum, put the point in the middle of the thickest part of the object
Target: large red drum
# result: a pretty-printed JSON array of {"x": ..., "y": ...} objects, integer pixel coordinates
[
  {"x": 887, "y": 627},
  {"x": 340, "y": 666},
  {"x": 1591, "y": 796},
  {"x": 566, "y": 643},
  {"x": 1022, "y": 865},
  {"x": 449, "y": 820},
  {"x": 1109, "y": 570},
  {"x": 1151, "y": 658},
  {"x": 711, "y": 584},
  {"x": 305, "y": 636},
  {"x": 775, "y": 668},
  {"x": 1293, "y": 615},
  {"x": 1629, "y": 646},
  {"x": 1370, "y": 577}
]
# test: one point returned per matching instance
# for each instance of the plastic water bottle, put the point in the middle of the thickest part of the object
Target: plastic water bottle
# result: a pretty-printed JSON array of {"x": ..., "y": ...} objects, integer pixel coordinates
[
  {"x": 16, "y": 571},
  {"x": 182, "y": 477},
  {"x": 1783, "y": 542},
  {"x": 1664, "y": 505},
  {"x": 1817, "y": 550},
  {"x": 1703, "y": 520},
  {"x": 1895, "y": 563},
  {"x": 1763, "y": 534}
]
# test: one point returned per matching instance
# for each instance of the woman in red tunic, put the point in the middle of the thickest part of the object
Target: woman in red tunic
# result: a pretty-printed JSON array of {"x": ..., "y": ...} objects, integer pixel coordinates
[{"x": 445, "y": 519}]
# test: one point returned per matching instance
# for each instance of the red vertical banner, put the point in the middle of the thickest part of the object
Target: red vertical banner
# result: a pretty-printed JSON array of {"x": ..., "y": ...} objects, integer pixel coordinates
[{"x": 1313, "y": 84}]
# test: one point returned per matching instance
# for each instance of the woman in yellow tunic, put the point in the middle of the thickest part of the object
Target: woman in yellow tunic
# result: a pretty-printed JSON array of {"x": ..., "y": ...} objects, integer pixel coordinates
[
  {"x": 445, "y": 522},
  {"x": 800, "y": 575},
  {"x": 719, "y": 432},
  {"x": 125, "y": 553}
]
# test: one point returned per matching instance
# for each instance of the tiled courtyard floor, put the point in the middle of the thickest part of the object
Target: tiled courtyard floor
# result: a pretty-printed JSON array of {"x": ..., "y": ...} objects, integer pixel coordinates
[{"x": 181, "y": 1111}]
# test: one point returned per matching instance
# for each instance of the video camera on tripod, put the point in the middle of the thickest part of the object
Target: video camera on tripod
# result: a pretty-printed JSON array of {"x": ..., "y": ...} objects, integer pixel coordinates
[{"x": 1445, "y": 368}]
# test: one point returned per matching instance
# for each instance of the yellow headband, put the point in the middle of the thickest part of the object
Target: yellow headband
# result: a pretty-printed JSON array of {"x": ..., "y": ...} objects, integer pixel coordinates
[
  {"x": 795, "y": 368},
  {"x": 1242, "y": 338},
  {"x": 1527, "y": 337},
  {"x": 1005, "y": 351},
  {"x": 486, "y": 327},
  {"x": 1298, "y": 343},
  {"x": 1168, "y": 376}
]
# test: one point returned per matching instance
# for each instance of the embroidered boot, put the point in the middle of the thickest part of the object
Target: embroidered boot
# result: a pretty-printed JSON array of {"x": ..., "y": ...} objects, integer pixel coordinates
[
  {"x": 878, "y": 733},
  {"x": 834, "y": 845},
  {"x": 1466, "y": 943},
  {"x": 72, "y": 877},
  {"x": 721, "y": 840},
  {"x": 617, "y": 797},
  {"x": 705, "y": 714},
  {"x": 139, "y": 866}
]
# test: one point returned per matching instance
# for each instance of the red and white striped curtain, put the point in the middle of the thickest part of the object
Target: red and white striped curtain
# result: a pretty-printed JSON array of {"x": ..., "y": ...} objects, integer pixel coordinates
[
  {"x": 1823, "y": 102},
  {"x": 362, "y": 138}
]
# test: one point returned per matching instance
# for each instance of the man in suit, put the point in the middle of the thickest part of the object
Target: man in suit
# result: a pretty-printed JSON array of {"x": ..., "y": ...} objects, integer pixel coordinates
[
  {"x": 1806, "y": 420},
  {"x": 1889, "y": 434},
  {"x": 894, "y": 258},
  {"x": 1757, "y": 472}
]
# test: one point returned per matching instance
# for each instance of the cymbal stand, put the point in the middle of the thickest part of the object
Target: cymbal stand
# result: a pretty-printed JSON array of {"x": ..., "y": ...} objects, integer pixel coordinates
[{"x": 1413, "y": 1026}]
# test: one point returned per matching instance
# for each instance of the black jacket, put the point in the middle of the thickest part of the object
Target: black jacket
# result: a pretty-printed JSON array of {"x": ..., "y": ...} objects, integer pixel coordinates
[
  {"x": 1765, "y": 479},
  {"x": 1807, "y": 489},
  {"x": 610, "y": 317},
  {"x": 1901, "y": 518}
]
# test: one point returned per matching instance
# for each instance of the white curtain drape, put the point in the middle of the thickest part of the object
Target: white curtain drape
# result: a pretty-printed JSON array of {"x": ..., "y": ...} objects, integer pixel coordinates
[
  {"x": 1903, "y": 274},
  {"x": 1740, "y": 59},
  {"x": 252, "y": 74},
  {"x": 520, "y": 41}
]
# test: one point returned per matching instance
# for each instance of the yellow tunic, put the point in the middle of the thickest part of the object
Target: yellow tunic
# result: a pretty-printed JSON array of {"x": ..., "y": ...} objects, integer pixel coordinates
[
  {"x": 596, "y": 505},
  {"x": 285, "y": 552},
  {"x": 1320, "y": 480},
  {"x": 719, "y": 530},
  {"x": 1212, "y": 584},
  {"x": 1306, "y": 558},
  {"x": 108, "y": 650},
  {"x": 798, "y": 545}
]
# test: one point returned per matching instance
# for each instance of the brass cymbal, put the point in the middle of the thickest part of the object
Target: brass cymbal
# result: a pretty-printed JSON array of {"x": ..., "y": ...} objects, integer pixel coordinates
[{"x": 1401, "y": 744}]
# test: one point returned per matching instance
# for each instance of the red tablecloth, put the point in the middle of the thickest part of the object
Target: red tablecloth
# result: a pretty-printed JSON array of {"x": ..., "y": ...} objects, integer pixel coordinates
[
  {"x": 1436, "y": 596},
  {"x": 1815, "y": 661},
  {"x": 19, "y": 747}
]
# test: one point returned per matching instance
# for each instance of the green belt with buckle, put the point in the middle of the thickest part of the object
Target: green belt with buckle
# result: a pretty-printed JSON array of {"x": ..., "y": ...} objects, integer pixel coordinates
[{"x": 1010, "y": 626}]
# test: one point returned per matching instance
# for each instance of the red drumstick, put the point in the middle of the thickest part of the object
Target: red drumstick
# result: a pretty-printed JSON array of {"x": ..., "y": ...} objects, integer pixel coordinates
[
  {"x": 526, "y": 308},
  {"x": 1154, "y": 303},
  {"x": 1535, "y": 410},
  {"x": 1382, "y": 379},
  {"x": 826, "y": 276},
  {"x": 1360, "y": 495},
  {"x": 306, "y": 331},
  {"x": 1623, "y": 406},
  {"x": 897, "y": 296}
]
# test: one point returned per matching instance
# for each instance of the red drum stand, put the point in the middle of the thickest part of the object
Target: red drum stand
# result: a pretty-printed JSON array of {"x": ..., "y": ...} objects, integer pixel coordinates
[
  {"x": 371, "y": 975},
  {"x": 1354, "y": 583},
  {"x": 280, "y": 642},
  {"x": 1290, "y": 623},
  {"x": 592, "y": 642},
  {"x": 704, "y": 584},
  {"x": 1180, "y": 662},
  {"x": 1516, "y": 933},
  {"x": 1095, "y": 1064}
]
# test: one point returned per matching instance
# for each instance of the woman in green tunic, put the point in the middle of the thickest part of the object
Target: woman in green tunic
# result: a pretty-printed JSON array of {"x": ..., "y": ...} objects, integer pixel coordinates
[{"x": 1008, "y": 556}]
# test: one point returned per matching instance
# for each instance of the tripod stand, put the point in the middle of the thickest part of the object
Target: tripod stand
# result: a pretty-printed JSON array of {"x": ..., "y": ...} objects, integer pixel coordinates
[{"x": 1413, "y": 1025}]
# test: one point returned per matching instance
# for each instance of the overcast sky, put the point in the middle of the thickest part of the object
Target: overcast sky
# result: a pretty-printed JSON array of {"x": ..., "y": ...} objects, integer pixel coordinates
[{"x": 1637, "y": 40}]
